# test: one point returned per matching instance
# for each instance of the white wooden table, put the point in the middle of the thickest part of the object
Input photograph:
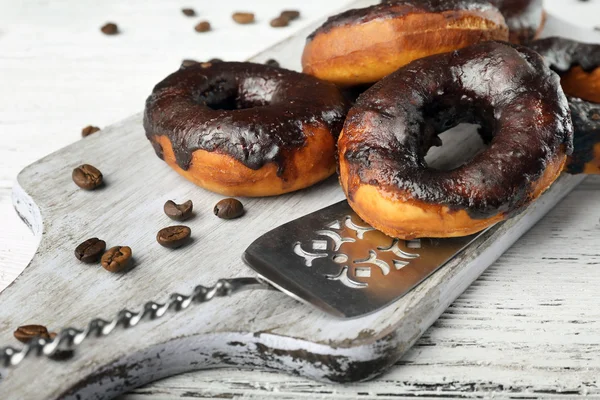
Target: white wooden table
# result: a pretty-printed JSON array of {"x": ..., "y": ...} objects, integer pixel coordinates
[{"x": 530, "y": 327}]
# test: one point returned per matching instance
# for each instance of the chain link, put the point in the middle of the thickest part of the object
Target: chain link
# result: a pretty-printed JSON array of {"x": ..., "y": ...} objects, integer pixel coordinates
[{"x": 69, "y": 338}]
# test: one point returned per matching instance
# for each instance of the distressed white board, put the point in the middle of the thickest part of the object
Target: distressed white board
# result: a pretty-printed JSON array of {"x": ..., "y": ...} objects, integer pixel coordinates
[{"x": 261, "y": 329}]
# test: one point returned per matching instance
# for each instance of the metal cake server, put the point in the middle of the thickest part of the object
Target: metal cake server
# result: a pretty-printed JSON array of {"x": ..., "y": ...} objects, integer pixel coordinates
[{"x": 330, "y": 259}]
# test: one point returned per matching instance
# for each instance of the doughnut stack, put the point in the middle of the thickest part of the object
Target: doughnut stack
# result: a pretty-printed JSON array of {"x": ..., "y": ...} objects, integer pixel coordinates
[{"x": 245, "y": 129}]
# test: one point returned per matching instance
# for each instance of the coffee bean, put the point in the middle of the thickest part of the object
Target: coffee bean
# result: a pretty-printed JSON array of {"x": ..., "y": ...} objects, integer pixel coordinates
[
  {"x": 243, "y": 17},
  {"x": 178, "y": 212},
  {"x": 229, "y": 209},
  {"x": 110, "y": 29},
  {"x": 290, "y": 15},
  {"x": 188, "y": 63},
  {"x": 88, "y": 130},
  {"x": 279, "y": 22},
  {"x": 87, "y": 177},
  {"x": 91, "y": 250},
  {"x": 116, "y": 259},
  {"x": 203, "y": 26},
  {"x": 188, "y": 12},
  {"x": 27, "y": 332},
  {"x": 272, "y": 62},
  {"x": 173, "y": 236}
]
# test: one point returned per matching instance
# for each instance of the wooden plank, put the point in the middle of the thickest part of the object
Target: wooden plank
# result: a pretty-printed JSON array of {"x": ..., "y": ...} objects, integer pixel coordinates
[{"x": 517, "y": 332}]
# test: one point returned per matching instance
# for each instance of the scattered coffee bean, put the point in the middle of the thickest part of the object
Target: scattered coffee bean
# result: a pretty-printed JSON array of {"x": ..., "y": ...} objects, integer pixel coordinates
[
  {"x": 229, "y": 209},
  {"x": 178, "y": 212},
  {"x": 88, "y": 130},
  {"x": 110, "y": 29},
  {"x": 272, "y": 63},
  {"x": 91, "y": 250},
  {"x": 279, "y": 22},
  {"x": 243, "y": 17},
  {"x": 173, "y": 236},
  {"x": 290, "y": 15},
  {"x": 27, "y": 332},
  {"x": 116, "y": 259},
  {"x": 203, "y": 26},
  {"x": 87, "y": 177},
  {"x": 188, "y": 12},
  {"x": 188, "y": 63}
]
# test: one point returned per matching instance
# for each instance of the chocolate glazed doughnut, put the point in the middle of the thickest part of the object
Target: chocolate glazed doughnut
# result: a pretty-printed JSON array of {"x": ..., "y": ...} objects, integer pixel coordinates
[
  {"x": 577, "y": 63},
  {"x": 525, "y": 18},
  {"x": 586, "y": 140},
  {"x": 244, "y": 129},
  {"x": 504, "y": 88},
  {"x": 363, "y": 45}
]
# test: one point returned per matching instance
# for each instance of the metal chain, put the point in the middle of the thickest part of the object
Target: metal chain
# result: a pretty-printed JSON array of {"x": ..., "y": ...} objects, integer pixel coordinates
[{"x": 69, "y": 338}]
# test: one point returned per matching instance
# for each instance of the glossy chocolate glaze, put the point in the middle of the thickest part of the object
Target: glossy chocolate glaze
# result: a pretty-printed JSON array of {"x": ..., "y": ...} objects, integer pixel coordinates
[
  {"x": 251, "y": 112},
  {"x": 562, "y": 54},
  {"x": 506, "y": 89},
  {"x": 586, "y": 125},
  {"x": 523, "y": 17},
  {"x": 398, "y": 8}
]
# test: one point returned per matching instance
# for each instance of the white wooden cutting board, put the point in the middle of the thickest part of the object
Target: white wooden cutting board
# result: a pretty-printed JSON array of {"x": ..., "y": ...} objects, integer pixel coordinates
[{"x": 257, "y": 329}]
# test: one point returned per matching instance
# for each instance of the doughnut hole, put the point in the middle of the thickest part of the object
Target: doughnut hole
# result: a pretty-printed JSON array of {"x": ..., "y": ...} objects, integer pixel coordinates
[
  {"x": 460, "y": 145},
  {"x": 229, "y": 95},
  {"x": 459, "y": 132}
]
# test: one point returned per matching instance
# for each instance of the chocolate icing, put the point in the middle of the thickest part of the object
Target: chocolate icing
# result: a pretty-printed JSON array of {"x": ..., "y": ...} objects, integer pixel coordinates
[
  {"x": 523, "y": 17},
  {"x": 251, "y": 112},
  {"x": 586, "y": 124},
  {"x": 562, "y": 54},
  {"x": 397, "y": 8},
  {"x": 506, "y": 89}
]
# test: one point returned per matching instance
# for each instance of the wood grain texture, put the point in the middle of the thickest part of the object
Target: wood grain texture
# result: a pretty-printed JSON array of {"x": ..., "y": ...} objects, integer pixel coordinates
[
  {"x": 63, "y": 74},
  {"x": 265, "y": 330},
  {"x": 464, "y": 363},
  {"x": 527, "y": 328}
]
